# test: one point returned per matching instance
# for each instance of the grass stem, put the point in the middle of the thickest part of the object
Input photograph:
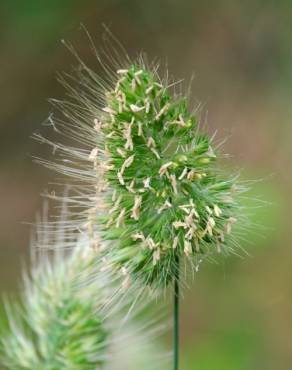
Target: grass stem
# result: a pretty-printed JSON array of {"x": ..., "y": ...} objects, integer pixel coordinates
[{"x": 176, "y": 319}]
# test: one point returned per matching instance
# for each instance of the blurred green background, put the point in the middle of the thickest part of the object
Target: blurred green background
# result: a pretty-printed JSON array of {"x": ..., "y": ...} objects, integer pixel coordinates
[{"x": 237, "y": 314}]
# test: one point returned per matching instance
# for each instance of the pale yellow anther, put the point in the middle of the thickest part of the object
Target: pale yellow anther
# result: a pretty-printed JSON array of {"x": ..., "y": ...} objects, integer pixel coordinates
[
  {"x": 138, "y": 73},
  {"x": 156, "y": 256},
  {"x": 127, "y": 163},
  {"x": 173, "y": 183},
  {"x": 136, "y": 208},
  {"x": 121, "y": 152},
  {"x": 184, "y": 172},
  {"x": 130, "y": 187},
  {"x": 217, "y": 211},
  {"x": 93, "y": 155},
  {"x": 133, "y": 84},
  {"x": 208, "y": 209},
  {"x": 178, "y": 224},
  {"x": 175, "y": 242},
  {"x": 111, "y": 134},
  {"x": 229, "y": 223},
  {"x": 158, "y": 85},
  {"x": 149, "y": 89},
  {"x": 108, "y": 110},
  {"x": 163, "y": 169},
  {"x": 151, "y": 143},
  {"x": 155, "y": 153},
  {"x": 120, "y": 217},
  {"x": 126, "y": 282},
  {"x": 122, "y": 71},
  {"x": 136, "y": 108},
  {"x": 140, "y": 131},
  {"x": 166, "y": 205},
  {"x": 147, "y": 106},
  {"x": 97, "y": 125},
  {"x": 128, "y": 135},
  {"x": 150, "y": 243},
  {"x": 162, "y": 111},
  {"x": 187, "y": 247},
  {"x": 210, "y": 225},
  {"x": 138, "y": 236},
  {"x": 146, "y": 183},
  {"x": 137, "y": 79},
  {"x": 114, "y": 195},
  {"x": 120, "y": 178}
]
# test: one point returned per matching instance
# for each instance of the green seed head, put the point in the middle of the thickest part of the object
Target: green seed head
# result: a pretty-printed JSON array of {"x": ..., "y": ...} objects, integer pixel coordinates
[{"x": 165, "y": 197}]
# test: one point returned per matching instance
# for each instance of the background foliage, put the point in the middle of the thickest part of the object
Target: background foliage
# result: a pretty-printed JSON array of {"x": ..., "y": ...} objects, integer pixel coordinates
[{"x": 237, "y": 313}]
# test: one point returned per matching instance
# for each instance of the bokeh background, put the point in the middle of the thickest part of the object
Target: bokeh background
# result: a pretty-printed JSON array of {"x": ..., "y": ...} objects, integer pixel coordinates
[{"x": 237, "y": 314}]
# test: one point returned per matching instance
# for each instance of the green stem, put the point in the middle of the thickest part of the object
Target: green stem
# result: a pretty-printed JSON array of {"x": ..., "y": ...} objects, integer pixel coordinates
[{"x": 176, "y": 318}]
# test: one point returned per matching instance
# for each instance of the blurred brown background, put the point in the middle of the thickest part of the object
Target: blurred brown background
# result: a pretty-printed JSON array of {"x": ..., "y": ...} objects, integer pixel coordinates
[{"x": 237, "y": 314}]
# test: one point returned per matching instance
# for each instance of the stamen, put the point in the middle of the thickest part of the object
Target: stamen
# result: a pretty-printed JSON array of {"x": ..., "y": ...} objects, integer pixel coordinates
[
  {"x": 93, "y": 155},
  {"x": 164, "y": 167},
  {"x": 173, "y": 183},
  {"x": 155, "y": 152},
  {"x": 140, "y": 132},
  {"x": 162, "y": 111},
  {"x": 156, "y": 256},
  {"x": 127, "y": 163},
  {"x": 147, "y": 106},
  {"x": 150, "y": 243},
  {"x": 217, "y": 211},
  {"x": 166, "y": 205},
  {"x": 120, "y": 217},
  {"x": 97, "y": 125},
  {"x": 108, "y": 110},
  {"x": 146, "y": 183},
  {"x": 136, "y": 108},
  {"x": 138, "y": 73},
  {"x": 187, "y": 247},
  {"x": 121, "y": 152},
  {"x": 122, "y": 71},
  {"x": 229, "y": 224},
  {"x": 136, "y": 207},
  {"x": 120, "y": 178},
  {"x": 131, "y": 187},
  {"x": 138, "y": 236},
  {"x": 175, "y": 242},
  {"x": 178, "y": 224},
  {"x": 149, "y": 89},
  {"x": 184, "y": 172},
  {"x": 151, "y": 143},
  {"x": 127, "y": 135},
  {"x": 209, "y": 210}
]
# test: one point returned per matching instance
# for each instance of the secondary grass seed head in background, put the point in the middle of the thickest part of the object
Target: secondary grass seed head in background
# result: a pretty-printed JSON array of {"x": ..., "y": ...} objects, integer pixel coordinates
[{"x": 68, "y": 318}]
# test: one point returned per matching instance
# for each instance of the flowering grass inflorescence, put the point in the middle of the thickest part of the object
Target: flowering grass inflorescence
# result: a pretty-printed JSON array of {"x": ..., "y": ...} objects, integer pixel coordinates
[{"x": 166, "y": 198}]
